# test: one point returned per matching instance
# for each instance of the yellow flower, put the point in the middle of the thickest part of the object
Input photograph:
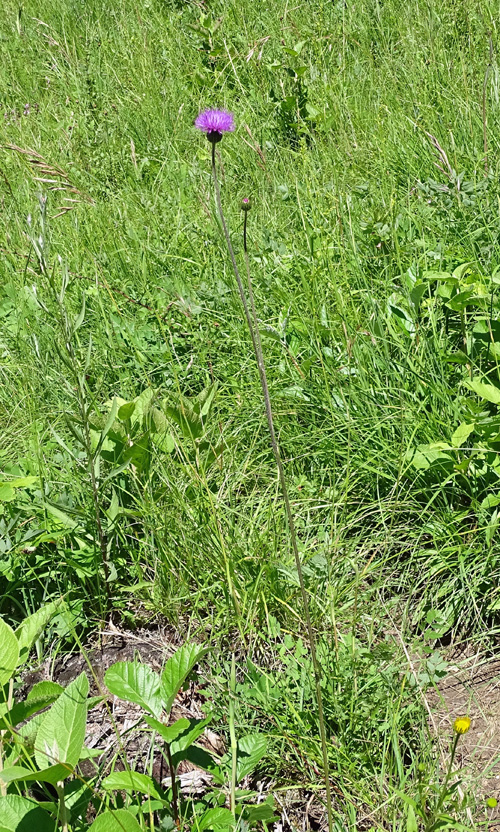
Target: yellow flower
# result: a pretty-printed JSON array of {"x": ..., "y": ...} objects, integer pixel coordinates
[{"x": 461, "y": 725}]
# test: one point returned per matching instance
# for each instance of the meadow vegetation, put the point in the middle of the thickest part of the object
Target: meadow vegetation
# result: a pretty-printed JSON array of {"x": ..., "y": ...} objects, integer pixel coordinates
[{"x": 138, "y": 485}]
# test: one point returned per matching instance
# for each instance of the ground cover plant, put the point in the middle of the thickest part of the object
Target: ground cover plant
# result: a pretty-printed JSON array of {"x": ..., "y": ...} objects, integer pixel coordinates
[{"x": 138, "y": 485}]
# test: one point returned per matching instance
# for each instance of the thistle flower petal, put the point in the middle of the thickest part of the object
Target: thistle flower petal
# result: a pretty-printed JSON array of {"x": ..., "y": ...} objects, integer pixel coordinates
[{"x": 214, "y": 123}]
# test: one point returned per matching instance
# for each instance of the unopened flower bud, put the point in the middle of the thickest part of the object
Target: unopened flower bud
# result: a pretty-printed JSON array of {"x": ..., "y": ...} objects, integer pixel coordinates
[{"x": 246, "y": 204}]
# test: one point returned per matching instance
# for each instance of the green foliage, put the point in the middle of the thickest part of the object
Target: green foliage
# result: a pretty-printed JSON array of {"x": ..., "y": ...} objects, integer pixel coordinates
[{"x": 135, "y": 476}]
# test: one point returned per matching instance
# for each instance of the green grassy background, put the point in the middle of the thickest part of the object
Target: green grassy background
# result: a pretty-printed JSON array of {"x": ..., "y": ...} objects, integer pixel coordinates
[{"x": 343, "y": 113}]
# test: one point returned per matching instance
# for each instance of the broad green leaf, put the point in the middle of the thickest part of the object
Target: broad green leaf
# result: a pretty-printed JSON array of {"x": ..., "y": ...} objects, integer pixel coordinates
[
  {"x": 43, "y": 690},
  {"x": 17, "y": 814},
  {"x": 40, "y": 696},
  {"x": 216, "y": 819},
  {"x": 7, "y": 493},
  {"x": 460, "y": 302},
  {"x": 19, "y": 774},
  {"x": 182, "y": 412},
  {"x": 187, "y": 738},
  {"x": 168, "y": 732},
  {"x": 177, "y": 669},
  {"x": 30, "y": 629},
  {"x": 61, "y": 734},
  {"x": 262, "y": 812},
  {"x": 126, "y": 410},
  {"x": 118, "y": 821},
  {"x": 251, "y": 749},
  {"x": 143, "y": 404},
  {"x": 484, "y": 391},
  {"x": 9, "y": 652},
  {"x": 462, "y": 434},
  {"x": 426, "y": 455},
  {"x": 128, "y": 780},
  {"x": 135, "y": 683}
]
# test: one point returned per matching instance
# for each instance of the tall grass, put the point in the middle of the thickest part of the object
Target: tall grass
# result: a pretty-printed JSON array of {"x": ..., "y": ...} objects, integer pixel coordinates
[{"x": 344, "y": 112}]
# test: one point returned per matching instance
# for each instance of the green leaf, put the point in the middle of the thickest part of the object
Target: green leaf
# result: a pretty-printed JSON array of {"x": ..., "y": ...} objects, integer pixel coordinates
[
  {"x": 187, "y": 738},
  {"x": 251, "y": 749},
  {"x": 462, "y": 434},
  {"x": 177, "y": 669},
  {"x": 216, "y": 819},
  {"x": 411, "y": 820},
  {"x": 39, "y": 697},
  {"x": 132, "y": 780},
  {"x": 125, "y": 411},
  {"x": 9, "y": 652},
  {"x": 19, "y": 774},
  {"x": 262, "y": 812},
  {"x": 61, "y": 735},
  {"x": 30, "y": 629},
  {"x": 17, "y": 814},
  {"x": 118, "y": 821},
  {"x": 426, "y": 456},
  {"x": 168, "y": 732},
  {"x": 484, "y": 391},
  {"x": 7, "y": 493},
  {"x": 135, "y": 683}
]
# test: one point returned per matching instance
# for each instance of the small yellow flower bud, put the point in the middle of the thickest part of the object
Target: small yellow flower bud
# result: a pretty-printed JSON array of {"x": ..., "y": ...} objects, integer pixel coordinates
[
  {"x": 492, "y": 803},
  {"x": 461, "y": 725}
]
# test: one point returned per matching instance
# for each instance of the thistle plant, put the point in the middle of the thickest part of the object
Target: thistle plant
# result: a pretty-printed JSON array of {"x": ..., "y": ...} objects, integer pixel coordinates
[{"x": 214, "y": 123}]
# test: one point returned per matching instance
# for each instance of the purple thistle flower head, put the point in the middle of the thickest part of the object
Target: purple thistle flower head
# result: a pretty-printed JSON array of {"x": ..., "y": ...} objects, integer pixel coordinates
[{"x": 214, "y": 123}]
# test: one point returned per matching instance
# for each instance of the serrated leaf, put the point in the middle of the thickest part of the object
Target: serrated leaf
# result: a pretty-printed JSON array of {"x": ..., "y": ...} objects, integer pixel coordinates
[
  {"x": 484, "y": 391},
  {"x": 251, "y": 749},
  {"x": 135, "y": 683},
  {"x": 128, "y": 780},
  {"x": 9, "y": 652},
  {"x": 30, "y": 629},
  {"x": 61, "y": 734},
  {"x": 17, "y": 814},
  {"x": 118, "y": 821},
  {"x": 176, "y": 671}
]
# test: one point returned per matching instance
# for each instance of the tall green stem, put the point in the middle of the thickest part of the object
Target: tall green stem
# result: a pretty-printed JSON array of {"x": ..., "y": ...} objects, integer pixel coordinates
[{"x": 253, "y": 326}]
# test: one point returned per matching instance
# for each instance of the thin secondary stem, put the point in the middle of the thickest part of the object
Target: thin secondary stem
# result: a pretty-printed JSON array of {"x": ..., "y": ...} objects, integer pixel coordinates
[
  {"x": 232, "y": 734},
  {"x": 173, "y": 774},
  {"x": 253, "y": 326}
]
